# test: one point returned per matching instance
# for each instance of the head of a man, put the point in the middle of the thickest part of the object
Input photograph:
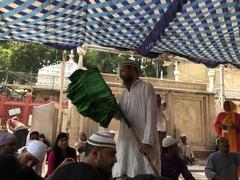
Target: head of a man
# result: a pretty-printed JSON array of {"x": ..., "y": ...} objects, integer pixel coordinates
[
  {"x": 183, "y": 138},
  {"x": 100, "y": 151},
  {"x": 170, "y": 147},
  {"x": 159, "y": 100},
  {"x": 129, "y": 72},
  {"x": 8, "y": 144},
  {"x": 33, "y": 154},
  {"x": 34, "y": 135},
  {"x": 42, "y": 138},
  {"x": 83, "y": 136},
  {"x": 164, "y": 106},
  {"x": 223, "y": 144}
]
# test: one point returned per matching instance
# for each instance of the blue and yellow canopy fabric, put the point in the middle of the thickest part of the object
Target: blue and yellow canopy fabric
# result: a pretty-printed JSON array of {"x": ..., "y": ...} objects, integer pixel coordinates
[{"x": 205, "y": 31}]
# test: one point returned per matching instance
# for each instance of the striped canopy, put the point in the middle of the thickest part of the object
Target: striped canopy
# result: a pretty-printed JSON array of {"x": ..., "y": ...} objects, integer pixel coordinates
[{"x": 205, "y": 31}]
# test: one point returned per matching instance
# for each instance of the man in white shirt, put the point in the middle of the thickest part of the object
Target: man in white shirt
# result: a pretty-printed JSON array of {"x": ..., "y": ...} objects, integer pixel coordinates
[
  {"x": 138, "y": 103},
  {"x": 185, "y": 150},
  {"x": 162, "y": 118}
]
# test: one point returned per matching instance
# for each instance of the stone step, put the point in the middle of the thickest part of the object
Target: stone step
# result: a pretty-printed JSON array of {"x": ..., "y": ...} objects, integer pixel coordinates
[{"x": 202, "y": 154}]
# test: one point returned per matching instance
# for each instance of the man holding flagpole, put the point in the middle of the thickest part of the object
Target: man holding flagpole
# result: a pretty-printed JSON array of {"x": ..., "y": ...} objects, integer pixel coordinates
[{"x": 138, "y": 104}]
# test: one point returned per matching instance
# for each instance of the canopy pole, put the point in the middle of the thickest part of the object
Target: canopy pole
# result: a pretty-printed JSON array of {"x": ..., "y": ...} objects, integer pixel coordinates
[
  {"x": 69, "y": 115},
  {"x": 222, "y": 87},
  {"x": 64, "y": 58},
  {"x": 81, "y": 50},
  {"x": 176, "y": 72},
  {"x": 211, "y": 74}
]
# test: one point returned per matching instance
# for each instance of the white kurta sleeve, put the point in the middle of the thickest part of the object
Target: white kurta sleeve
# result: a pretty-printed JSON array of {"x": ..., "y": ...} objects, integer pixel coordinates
[{"x": 151, "y": 116}]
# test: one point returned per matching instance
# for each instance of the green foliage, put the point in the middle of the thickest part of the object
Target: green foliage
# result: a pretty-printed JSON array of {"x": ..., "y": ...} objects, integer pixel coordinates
[
  {"x": 150, "y": 70},
  {"x": 30, "y": 57},
  {"x": 26, "y": 57},
  {"x": 105, "y": 62},
  {"x": 5, "y": 57}
]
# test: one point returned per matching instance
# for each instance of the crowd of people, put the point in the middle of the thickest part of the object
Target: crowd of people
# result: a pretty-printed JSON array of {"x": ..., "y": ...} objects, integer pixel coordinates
[{"x": 148, "y": 153}]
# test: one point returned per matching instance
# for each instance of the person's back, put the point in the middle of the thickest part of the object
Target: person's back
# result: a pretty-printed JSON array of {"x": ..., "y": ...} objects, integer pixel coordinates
[{"x": 78, "y": 170}]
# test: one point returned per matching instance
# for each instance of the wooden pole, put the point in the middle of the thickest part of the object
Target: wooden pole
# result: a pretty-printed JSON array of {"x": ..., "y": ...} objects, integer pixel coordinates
[
  {"x": 139, "y": 142},
  {"x": 222, "y": 87},
  {"x": 61, "y": 90},
  {"x": 146, "y": 156}
]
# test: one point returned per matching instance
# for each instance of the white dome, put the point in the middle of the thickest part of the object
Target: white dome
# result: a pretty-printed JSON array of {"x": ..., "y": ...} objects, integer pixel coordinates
[
  {"x": 50, "y": 75},
  {"x": 54, "y": 70}
]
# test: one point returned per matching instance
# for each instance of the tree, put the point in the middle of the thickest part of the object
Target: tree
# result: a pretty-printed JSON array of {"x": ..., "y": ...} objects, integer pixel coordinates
[
  {"x": 26, "y": 57},
  {"x": 105, "y": 62},
  {"x": 5, "y": 57}
]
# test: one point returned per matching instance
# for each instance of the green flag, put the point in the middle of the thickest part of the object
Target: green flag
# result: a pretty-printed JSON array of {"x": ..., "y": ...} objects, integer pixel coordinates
[{"x": 91, "y": 95}]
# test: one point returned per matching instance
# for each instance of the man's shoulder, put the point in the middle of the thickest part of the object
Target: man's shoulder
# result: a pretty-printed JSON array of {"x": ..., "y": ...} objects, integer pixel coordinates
[
  {"x": 214, "y": 155},
  {"x": 77, "y": 166},
  {"x": 145, "y": 83}
]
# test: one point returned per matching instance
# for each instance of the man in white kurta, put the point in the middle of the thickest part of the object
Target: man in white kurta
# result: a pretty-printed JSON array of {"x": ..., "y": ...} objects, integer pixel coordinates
[{"x": 139, "y": 106}]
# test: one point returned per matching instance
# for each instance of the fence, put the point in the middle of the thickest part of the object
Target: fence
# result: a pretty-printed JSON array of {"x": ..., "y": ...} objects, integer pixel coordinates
[{"x": 26, "y": 106}]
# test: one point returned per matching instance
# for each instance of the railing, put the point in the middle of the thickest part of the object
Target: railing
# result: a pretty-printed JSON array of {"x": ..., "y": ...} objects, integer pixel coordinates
[
  {"x": 230, "y": 93},
  {"x": 26, "y": 106}
]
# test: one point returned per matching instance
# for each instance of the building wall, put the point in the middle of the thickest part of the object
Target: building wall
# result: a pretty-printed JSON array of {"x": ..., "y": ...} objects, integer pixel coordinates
[
  {"x": 191, "y": 109},
  {"x": 198, "y": 73}
]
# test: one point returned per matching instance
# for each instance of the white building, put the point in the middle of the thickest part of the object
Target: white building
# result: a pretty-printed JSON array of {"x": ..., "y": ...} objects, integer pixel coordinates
[{"x": 49, "y": 76}]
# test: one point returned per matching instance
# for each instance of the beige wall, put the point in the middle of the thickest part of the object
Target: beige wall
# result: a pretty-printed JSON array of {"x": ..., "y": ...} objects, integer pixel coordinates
[
  {"x": 191, "y": 109},
  {"x": 198, "y": 73}
]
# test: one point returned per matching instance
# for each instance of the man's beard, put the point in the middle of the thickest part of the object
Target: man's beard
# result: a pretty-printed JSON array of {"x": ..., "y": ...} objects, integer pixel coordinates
[{"x": 127, "y": 80}]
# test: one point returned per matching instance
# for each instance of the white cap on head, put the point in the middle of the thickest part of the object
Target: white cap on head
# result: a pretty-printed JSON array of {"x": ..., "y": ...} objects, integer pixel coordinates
[
  {"x": 37, "y": 149},
  {"x": 131, "y": 63},
  {"x": 102, "y": 139},
  {"x": 168, "y": 141},
  {"x": 183, "y": 135}
]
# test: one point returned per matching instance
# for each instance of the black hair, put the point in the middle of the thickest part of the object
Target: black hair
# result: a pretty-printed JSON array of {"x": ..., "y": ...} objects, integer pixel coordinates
[
  {"x": 158, "y": 95},
  {"x": 88, "y": 148},
  {"x": 227, "y": 106},
  {"x": 34, "y": 133},
  {"x": 42, "y": 136},
  {"x": 70, "y": 152},
  {"x": 164, "y": 150}
]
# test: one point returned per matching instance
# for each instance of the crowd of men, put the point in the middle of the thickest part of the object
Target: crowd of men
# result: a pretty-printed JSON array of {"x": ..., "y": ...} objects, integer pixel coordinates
[{"x": 99, "y": 157}]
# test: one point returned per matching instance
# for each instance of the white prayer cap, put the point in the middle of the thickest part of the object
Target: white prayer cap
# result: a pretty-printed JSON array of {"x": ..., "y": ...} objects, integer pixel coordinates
[
  {"x": 6, "y": 138},
  {"x": 183, "y": 135},
  {"x": 37, "y": 149},
  {"x": 102, "y": 139},
  {"x": 131, "y": 63},
  {"x": 168, "y": 141}
]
